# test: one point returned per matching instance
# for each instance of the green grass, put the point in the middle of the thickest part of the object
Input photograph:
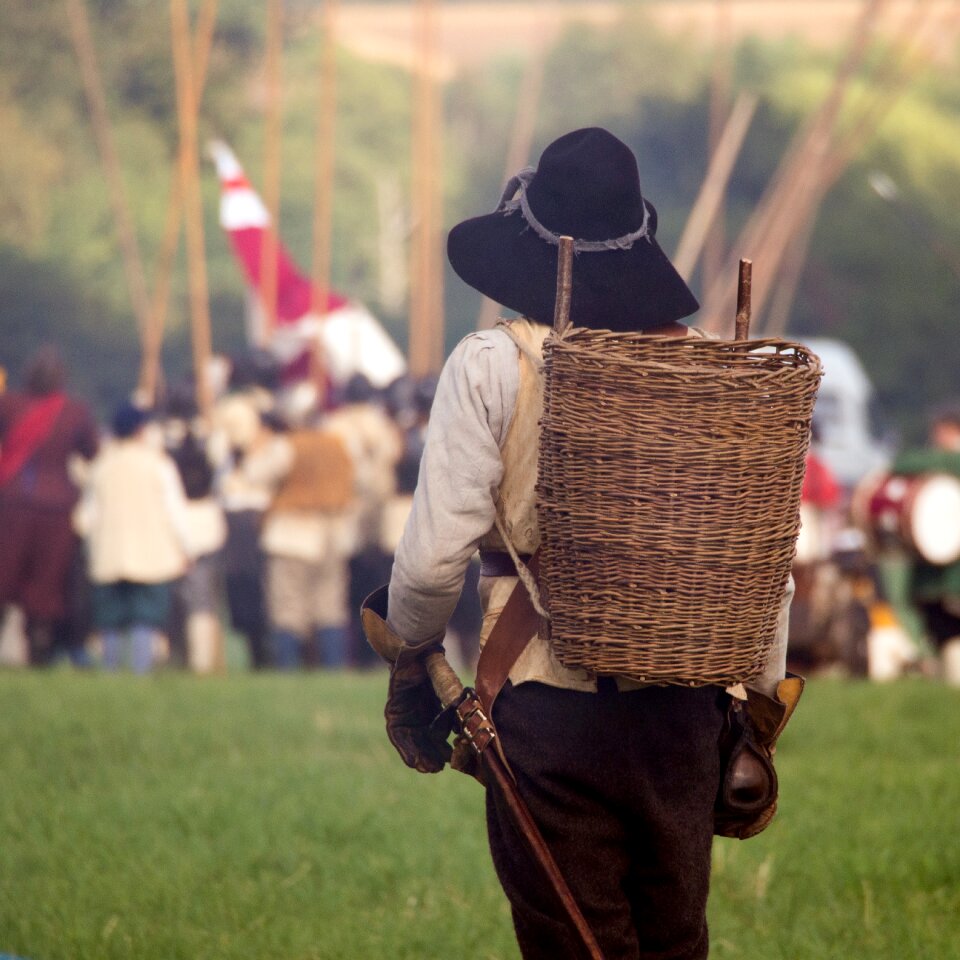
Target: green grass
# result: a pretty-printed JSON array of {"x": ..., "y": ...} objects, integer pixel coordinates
[
  {"x": 267, "y": 817},
  {"x": 864, "y": 859}
]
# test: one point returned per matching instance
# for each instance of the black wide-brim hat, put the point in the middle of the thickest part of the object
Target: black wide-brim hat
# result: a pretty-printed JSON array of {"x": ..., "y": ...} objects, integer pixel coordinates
[{"x": 586, "y": 186}]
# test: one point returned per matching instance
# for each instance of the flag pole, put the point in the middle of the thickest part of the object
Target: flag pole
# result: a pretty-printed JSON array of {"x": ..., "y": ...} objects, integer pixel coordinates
[
  {"x": 426, "y": 275},
  {"x": 106, "y": 147},
  {"x": 271, "y": 168},
  {"x": 150, "y": 366}
]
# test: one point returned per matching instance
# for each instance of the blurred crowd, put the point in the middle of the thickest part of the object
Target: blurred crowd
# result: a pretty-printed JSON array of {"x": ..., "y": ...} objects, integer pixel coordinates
[
  {"x": 166, "y": 539},
  {"x": 877, "y": 568}
]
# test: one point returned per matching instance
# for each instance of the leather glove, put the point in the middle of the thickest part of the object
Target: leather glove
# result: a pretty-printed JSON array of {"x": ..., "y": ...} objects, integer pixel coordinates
[{"x": 412, "y": 711}]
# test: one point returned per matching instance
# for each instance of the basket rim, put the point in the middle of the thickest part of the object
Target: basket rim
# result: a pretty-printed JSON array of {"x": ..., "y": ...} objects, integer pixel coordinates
[{"x": 733, "y": 357}]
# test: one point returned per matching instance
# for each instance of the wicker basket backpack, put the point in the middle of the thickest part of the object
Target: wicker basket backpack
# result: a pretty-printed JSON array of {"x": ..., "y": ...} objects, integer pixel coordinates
[{"x": 668, "y": 489}]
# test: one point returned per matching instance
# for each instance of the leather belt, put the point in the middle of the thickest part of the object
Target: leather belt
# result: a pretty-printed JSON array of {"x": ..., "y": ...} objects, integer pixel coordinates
[{"x": 499, "y": 563}]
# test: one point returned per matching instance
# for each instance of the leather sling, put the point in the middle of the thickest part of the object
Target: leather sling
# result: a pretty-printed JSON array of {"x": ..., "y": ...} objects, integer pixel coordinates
[{"x": 517, "y": 623}]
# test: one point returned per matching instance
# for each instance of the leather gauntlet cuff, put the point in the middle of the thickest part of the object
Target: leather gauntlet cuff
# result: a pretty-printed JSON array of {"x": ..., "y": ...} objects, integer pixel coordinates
[
  {"x": 381, "y": 637},
  {"x": 412, "y": 706}
]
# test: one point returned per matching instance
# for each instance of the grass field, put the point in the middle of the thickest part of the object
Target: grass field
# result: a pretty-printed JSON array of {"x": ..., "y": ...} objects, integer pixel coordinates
[{"x": 267, "y": 817}]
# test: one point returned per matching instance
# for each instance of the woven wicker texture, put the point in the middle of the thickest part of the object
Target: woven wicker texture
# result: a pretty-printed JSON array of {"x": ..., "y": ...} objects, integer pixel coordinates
[{"x": 668, "y": 500}]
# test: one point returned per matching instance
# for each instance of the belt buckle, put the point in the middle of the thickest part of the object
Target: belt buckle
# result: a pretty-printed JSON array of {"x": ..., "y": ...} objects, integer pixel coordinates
[{"x": 475, "y": 725}]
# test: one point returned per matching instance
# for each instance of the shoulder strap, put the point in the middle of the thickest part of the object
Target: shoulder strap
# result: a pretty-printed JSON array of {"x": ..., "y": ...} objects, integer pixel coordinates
[
  {"x": 535, "y": 359},
  {"x": 28, "y": 434},
  {"x": 521, "y": 617},
  {"x": 517, "y": 623},
  {"x": 510, "y": 635}
]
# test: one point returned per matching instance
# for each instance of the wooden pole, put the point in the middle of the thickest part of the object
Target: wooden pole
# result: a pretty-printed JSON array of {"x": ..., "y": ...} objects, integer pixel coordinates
[
  {"x": 426, "y": 275},
  {"x": 393, "y": 220},
  {"x": 788, "y": 279},
  {"x": 417, "y": 317},
  {"x": 323, "y": 201},
  {"x": 721, "y": 83},
  {"x": 709, "y": 201},
  {"x": 518, "y": 152},
  {"x": 435, "y": 187},
  {"x": 897, "y": 75},
  {"x": 773, "y": 222},
  {"x": 271, "y": 167},
  {"x": 326, "y": 132},
  {"x": 150, "y": 363},
  {"x": 122, "y": 218},
  {"x": 803, "y": 184},
  {"x": 193, "y": 209}
]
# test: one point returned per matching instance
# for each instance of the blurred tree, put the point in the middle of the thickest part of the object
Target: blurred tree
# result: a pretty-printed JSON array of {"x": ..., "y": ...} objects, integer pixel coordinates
[{"x": 867, "y": 279}]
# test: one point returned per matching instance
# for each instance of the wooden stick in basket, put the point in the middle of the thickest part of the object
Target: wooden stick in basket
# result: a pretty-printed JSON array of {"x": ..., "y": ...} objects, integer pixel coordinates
[
  {"x": 561, "y": 310},
  {"x": 744, "y": 288}
]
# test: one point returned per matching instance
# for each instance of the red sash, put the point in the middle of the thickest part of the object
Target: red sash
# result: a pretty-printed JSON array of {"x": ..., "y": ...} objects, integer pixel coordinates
[{"x": 27, "y": 434}]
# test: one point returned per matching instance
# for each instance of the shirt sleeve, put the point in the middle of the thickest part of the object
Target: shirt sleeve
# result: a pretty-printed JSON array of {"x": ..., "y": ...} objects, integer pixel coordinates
[
  {"x": 461, "y": 470},
  {"x": 776, "y": 666}
]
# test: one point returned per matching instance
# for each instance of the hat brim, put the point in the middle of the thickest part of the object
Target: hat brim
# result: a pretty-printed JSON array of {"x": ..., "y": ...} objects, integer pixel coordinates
[{"x": 636, "y": 289}]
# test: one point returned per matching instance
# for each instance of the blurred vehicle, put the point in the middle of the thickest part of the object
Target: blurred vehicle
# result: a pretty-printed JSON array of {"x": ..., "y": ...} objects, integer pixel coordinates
[
  {"x": 836, "y": 605},
  {"x": 846, "y": 418}
]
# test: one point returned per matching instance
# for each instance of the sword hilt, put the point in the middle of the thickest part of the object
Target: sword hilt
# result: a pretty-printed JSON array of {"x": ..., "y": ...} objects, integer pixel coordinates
[{"x": 446, "y": 683}]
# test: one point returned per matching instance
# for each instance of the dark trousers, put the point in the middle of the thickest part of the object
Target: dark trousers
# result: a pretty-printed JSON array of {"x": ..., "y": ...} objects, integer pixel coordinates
[
  {"x": 244, "y": 569},
  {"x": 36, "y": 551},
  {"x": 622, "y": 786},
  {"x": 942, "y": 622}
]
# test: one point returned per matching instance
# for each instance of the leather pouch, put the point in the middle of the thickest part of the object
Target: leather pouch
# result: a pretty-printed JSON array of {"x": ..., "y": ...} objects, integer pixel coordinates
[{"x": 747, "y": 795}]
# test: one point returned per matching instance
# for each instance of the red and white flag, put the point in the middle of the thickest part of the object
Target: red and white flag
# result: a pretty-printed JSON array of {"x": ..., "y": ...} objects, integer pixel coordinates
[{"x": 352, "y": 339}]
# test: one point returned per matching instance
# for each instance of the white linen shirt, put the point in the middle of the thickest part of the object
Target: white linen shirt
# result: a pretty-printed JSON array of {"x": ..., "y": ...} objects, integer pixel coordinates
[{"x": 461, "y": 469}]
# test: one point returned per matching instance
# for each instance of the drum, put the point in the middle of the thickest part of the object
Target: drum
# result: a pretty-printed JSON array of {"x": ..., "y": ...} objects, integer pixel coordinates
[{"x": 919, "y": 513}]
